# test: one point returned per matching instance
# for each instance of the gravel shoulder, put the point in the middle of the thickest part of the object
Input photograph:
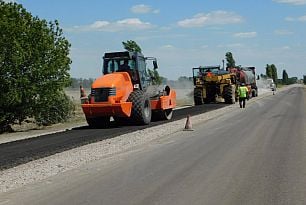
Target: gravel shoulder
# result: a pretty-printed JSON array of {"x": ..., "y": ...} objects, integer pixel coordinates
[{"x": 49, "y": 166}]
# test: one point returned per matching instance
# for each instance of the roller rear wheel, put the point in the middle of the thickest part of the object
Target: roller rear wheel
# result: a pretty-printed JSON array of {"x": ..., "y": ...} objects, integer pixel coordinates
[{"x": 141, "y": 107}]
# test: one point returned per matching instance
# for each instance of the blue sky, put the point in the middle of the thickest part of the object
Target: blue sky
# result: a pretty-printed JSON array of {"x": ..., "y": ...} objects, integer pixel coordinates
[{"x": 182, "y": 34}]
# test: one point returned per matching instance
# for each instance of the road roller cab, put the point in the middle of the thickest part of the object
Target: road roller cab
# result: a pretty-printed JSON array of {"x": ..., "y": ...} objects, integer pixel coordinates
[{"x": 125, "y": 91}]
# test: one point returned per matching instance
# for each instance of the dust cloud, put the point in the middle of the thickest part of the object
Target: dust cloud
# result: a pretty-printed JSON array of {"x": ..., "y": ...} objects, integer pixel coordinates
[
  {"x": 184, "y": 91},
  {"x": 263, "y": 85}
]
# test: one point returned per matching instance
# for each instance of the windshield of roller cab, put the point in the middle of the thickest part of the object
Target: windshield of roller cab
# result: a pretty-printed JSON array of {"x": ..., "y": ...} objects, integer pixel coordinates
[{"x": 118, "y": 65}]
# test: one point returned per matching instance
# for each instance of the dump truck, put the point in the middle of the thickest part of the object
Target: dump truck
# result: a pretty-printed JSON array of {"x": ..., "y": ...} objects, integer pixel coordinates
[
  {"x": 247, "y": 76},
  {"x": 212, "y": 83},
  {"x": 126, "y": 92}
]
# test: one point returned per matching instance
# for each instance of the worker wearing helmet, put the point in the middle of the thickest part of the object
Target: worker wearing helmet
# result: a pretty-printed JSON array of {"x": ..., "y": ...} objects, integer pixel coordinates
[
  {"x": 209, "y": 73},
  {"x": 243, "y": 93}
]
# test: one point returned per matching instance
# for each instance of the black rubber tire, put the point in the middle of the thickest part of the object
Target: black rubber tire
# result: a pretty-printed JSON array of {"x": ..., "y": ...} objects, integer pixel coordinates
[
  {"x": 229, "y": 94},
  {"x": 167, "y": 114},
  {"x": 120, "y": 120},
  {"x": 211, "y": 92},
  {"x": 162, "y": 114},
  {"x": 207, "y": 100},
  {"x": 141, "y": 107},
  {"x": 254, "y": 93},
  {"x": 98, "y": 122},
  {"x": 198, "y": 96},
  {"x": 249, "y": 96}
]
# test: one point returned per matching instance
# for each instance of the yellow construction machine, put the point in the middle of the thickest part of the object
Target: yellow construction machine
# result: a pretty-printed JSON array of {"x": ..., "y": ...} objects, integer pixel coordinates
[{"x": 211, "y": 84}]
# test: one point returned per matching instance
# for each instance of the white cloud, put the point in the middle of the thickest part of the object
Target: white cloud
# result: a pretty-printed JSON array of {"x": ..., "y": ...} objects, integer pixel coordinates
[
  {"x": 285, "y": 47},
  {"x": 283, "y": 32},
  {"x": 233, "y": 45},
  {"x": 212, "y": 18},
  {"x": 246, "y": 35},
  {"x": 168, "y": 46},
  {"x": 99, "y": 24},
  {"x": 204, "y": 46},
  {"x": 133, "y": 23},
  {"x": 120, "y": 25},
  {"x": 143, "y": 9},
  {"x": 294, "y": 2},
  {"x": 301, "y": 18},
  {"x": 289, "y": 19}
]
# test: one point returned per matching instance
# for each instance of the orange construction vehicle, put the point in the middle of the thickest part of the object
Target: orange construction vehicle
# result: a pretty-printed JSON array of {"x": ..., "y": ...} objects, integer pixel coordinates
[{"x": 125, "y": 91}]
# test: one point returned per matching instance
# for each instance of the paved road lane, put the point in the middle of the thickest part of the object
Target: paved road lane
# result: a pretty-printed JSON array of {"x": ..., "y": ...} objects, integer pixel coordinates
[
  {"x": 22, "y": 151},
  {"x": 254, "y": 156}
]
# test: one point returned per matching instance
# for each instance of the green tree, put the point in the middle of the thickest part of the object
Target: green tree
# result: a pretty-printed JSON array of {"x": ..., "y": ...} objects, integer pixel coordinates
[
  {"x": 268, "y": 71},
  {"x": 263, "y": 75},
  {"x": 185, "y": 78},
  {"x": 156, "y": 78},
  {"x": 292, "y": 80},
  {"x": 230, "y": 60},
  {"x": 131, "y": 46},
  {"x": 274, "y": 73},
  {"x": 285, "y": 78},
  {"x": 304, "y": 79},
  {"x": 271, "y": 72},
  {"x": 34, "y": 67},
  {"x": 75, "y": 83}
]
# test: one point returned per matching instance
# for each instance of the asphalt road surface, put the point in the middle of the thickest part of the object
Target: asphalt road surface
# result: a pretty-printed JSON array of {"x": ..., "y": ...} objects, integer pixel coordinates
[
  {"x": 22, "y": 151},
  {"x": 254, "y": 156}
]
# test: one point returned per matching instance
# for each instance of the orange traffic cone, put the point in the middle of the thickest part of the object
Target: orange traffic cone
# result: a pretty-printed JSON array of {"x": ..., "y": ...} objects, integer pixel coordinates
[
  {"x": 83, "y": 97},
  {"x": 188, "y": 126}
]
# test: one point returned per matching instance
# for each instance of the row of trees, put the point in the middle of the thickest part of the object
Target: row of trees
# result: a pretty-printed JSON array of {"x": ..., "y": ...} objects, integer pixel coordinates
[
  {"x": 286, "y": 80},
  {"x": 86, "y": 83},
  {"x": 34, "y": 68},
  {"x": 271, "y": 72}
]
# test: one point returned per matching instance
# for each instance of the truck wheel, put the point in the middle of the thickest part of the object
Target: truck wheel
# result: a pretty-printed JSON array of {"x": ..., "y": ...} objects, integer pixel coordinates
[
  {"x": 141, "y": 107},
  {"x": 198, "y": 96},
  {"x": 120, "y": 120},
  {"x": 229, "y": 94},
  {"x": 207, "y": 100},
  {"x": 254, "y": 93},
  {"x": 98, "y": 122}
]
